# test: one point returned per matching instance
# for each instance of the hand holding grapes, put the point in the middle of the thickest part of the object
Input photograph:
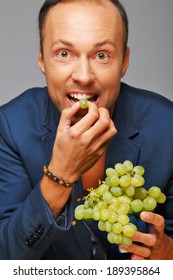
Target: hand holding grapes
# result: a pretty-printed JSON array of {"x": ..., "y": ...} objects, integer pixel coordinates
[
  {"x": 122, "y": 207},
  {"x": 155, "y": 245}
]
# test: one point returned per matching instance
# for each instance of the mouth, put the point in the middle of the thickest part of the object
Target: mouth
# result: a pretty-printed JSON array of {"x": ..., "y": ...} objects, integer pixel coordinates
[{"x": 74, "y": 97}]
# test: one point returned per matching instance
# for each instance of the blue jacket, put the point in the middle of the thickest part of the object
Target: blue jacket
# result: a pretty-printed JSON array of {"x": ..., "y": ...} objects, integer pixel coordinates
[{"x": 28, "y": 124}]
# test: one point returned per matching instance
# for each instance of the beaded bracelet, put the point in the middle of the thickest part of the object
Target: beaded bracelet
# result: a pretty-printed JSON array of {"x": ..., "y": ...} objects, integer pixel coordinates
[{"x": 56, "y": 179}]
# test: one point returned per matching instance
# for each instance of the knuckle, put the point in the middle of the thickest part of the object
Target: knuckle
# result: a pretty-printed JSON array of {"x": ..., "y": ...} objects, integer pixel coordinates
[
  {"x": 85, "y": 141},
  {"x": 113, "y": 130},
  {"x": 94, "y": 115},
  {"x": 105, "y": 122},
  {"x": 162, "y": 221},
  {"x": 147, "y": 252},
  {"x": 152, "y": 241},
  {"x": 73, "y": 133}
]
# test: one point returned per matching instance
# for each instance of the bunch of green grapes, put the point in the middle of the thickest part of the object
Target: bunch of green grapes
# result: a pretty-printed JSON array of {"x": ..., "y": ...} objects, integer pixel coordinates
[{"x": 118, "y": 199}]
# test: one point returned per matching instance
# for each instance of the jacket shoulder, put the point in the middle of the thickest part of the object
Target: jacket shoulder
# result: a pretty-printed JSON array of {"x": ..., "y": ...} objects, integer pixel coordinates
[
  {"x": 29, "y": 99},
  {"x": 142, "y": 100}
]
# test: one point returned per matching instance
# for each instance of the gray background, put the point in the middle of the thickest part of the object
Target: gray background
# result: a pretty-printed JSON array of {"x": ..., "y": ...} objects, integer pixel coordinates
[{"x": 151, "y": 43}]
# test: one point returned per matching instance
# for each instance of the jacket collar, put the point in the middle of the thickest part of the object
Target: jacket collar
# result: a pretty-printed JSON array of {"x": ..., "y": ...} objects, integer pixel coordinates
[
  {"x": 52, "y": 115},
  {"x": 123, "y": 145},
  {"x": 123, "y": 114}
]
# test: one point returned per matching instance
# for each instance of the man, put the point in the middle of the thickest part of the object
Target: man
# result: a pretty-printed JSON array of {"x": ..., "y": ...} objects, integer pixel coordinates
[{"x": 83, "y": 53}]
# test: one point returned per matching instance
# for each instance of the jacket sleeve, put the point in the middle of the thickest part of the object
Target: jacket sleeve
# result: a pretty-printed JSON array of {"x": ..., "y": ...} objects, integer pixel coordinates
[{"x": 27, "y": 225}]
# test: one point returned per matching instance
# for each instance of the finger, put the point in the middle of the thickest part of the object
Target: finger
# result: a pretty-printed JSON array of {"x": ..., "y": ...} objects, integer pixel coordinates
[
  {"x": 136, "y": 257},
  {"x": 87, "y": 121},
  {"x": 67, "y": 115},
  {"x": 103, "y": 124},
  {"x": 145, "y": 238},
  {"x": 136, "y": 249},
  {"x": 155, "y": 219}
]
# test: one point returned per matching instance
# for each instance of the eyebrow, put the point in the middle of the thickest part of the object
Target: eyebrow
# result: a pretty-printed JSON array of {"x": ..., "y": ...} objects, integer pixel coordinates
[
  {"x": 67, "y": 43},
  {"x": 99, "y": 44},
  {"x": 105, "y": 42}
]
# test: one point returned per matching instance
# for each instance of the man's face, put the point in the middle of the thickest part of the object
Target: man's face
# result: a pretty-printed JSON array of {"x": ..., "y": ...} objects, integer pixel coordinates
[{"x": 83, "y": 54}]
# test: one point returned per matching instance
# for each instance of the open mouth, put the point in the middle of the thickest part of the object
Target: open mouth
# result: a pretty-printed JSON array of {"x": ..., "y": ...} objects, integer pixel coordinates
[{"x": 74, "y": 97}]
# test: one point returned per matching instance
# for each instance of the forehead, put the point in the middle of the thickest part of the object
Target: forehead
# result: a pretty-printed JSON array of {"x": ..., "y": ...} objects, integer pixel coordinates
[{"x": 87, "y": 18}]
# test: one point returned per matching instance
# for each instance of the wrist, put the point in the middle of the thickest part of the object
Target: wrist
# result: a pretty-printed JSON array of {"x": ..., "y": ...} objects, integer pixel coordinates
[{"x": 56, "y": 179}]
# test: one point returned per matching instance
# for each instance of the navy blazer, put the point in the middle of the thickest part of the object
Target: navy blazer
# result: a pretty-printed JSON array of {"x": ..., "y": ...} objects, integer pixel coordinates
[{"x": 28, "y": 124}]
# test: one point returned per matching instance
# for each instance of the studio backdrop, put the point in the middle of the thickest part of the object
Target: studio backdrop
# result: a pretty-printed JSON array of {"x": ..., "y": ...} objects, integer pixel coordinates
[{"x": 150, "y": 40}]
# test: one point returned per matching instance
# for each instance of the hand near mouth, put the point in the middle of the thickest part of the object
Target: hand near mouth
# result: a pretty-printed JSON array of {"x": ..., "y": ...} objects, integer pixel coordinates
[{"x": 78, "y": 147}]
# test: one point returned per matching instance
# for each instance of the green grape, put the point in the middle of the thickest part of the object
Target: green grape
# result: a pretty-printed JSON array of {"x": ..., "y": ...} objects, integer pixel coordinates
[
  {"x": 110, "y": 237},
  {"x": 154, "y": 192},
  {"x": 137, "y": 205},
  {"x": 149, "y": 203},
  {"x": 110, "y": 172},
  {"x": 161, "y": 198},
  {"x": 79, "y": 212},
  {"x": 114, "y": 180},
  {"x": 117, "y": 228},
  {"x": 116, "y": 201},
  {"x": 129, "y": 165},
  {"x": 120, "y": 169},
  {"x": 88, "y": 213},
  {"x": 112, "y": 217},
  {"x": 116, "y": 191},
  {"x": 89, "y": 203},
  {"x": 83, "y": 103},
  {"x": 107, "y": 196},
  {"x": 125, "y": 181},
  {"x": 96, "y": 214},
  {"x": 94, "y": 195},
  {"x": 101, "y": 225},
  {"x": 123, "y": 209},
  {"x": 125, "y": 199},
  {"x": 104, "y": 214},
  {"x": 102, "y": 189},
  {"x": 114, "y": 238},
  {"x": 113, "y": 207},
  {"x": 101, "y": 205},
  {"x": 137, "y": 180},
  {"x": 139, "y": 170},
  {"x": 108, "y": 226},
  {"x": 117, "y": 238},
  {"x": 123, "y": 219},
  {"x": 130, "y": 190},
  {"x": 140, "y": 193},
  {"x": 129, "y": 230},
  {"x": 108, "y": 181},
  {"x": 127, "y": 241},
  {"x": 79, "y": 215}
]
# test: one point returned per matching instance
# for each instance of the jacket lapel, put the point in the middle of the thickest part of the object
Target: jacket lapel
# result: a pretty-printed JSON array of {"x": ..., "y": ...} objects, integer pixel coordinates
[
  {"x": 50, "y": 125},
  {"x": 122, "y": 146}
]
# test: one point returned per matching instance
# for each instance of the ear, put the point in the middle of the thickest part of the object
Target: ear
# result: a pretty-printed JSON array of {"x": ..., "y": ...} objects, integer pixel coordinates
[
  {"x": 125, "y": 62},
  {"x": 41, "y": 62}
]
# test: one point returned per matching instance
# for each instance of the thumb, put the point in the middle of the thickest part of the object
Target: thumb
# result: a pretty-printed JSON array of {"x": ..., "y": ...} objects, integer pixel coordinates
[
  {"x": 155, "y": 219},
  {"x": 66, "y": 117}
]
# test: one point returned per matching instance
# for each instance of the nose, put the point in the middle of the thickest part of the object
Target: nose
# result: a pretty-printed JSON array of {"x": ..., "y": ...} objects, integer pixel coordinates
[{"x": 82, "y": 73}]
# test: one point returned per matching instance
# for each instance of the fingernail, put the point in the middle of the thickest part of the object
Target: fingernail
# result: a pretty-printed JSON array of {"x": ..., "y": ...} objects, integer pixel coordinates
[{"x": 145, "y": 215}]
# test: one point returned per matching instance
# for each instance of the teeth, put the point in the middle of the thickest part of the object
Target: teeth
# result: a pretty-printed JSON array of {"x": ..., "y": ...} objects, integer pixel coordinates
[{"x": 79, "y": 96}]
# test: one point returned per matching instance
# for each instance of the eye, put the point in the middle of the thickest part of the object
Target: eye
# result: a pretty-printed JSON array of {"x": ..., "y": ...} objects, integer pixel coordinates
[
  {"x": 62, "y": 54},
  {"x": 102, "y": 56}
]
